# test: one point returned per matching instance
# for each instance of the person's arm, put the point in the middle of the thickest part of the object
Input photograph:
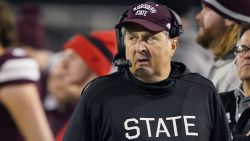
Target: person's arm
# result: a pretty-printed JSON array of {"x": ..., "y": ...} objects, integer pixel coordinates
[{"x": 23, "y": 103}]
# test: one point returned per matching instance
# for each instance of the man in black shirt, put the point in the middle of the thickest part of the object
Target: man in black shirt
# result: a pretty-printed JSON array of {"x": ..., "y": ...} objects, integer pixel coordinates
[{"x": 154, "y": 99}]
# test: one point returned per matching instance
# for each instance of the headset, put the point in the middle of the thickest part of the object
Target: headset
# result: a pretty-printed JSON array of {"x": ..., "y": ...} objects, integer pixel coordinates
[{"x": 120, "y": 58}]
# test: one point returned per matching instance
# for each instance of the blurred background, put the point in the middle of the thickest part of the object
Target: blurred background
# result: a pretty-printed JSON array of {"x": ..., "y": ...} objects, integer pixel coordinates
[{"x": 63, "y": 18}]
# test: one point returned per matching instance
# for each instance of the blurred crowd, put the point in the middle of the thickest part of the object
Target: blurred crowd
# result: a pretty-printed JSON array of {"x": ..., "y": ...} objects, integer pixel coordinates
[{"x": 40, "y": 87}]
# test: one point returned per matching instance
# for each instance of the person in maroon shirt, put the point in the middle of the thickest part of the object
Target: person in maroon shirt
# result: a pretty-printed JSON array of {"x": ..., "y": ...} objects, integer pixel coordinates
[{"x": 22, "y": 116}]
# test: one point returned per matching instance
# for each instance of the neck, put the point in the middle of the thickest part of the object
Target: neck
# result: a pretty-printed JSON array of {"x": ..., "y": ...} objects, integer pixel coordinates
[
  {"x": 246, "y": 88},
  {"x": 153, "y": 78}
]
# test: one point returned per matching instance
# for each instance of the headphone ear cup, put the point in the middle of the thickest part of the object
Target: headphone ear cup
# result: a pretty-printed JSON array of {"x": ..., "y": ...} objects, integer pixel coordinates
[
  {"x": 176, "y": 27},
  {"x": 172, "y": 32}
]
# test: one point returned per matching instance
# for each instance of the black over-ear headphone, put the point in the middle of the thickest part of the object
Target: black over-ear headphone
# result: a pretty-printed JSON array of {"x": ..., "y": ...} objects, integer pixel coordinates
[
  {"x": 176, "y": 26},
  {"x": 120, "y": 57}
]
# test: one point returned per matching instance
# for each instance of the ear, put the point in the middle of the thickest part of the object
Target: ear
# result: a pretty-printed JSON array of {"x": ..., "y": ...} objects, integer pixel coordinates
[
  {"x": 229, "y": 23},
  {"x": 174, "y": 45}
]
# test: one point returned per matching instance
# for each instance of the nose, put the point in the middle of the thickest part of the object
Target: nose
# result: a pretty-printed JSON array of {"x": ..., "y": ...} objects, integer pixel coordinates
[
  {"x": 141, "y": 46},
  {"x": 198, "y": 15},
  {"x": 65, "y": 63},
  {"x": 247, "y": 54}
]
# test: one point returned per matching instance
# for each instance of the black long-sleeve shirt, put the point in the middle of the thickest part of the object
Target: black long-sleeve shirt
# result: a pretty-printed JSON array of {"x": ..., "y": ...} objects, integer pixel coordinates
[
  {"x": 184, "y": 107},
  {"x": 241, "y": 127}
]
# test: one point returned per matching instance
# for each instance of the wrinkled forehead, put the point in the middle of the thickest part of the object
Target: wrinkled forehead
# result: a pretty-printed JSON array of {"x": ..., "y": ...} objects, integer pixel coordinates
[
  {"x": 144, "y": 33},
  {"x": 132, "y": 28}
]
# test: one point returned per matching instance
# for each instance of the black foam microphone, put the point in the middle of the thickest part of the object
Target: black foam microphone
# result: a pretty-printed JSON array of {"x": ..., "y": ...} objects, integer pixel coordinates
[{"x": 121, "y": 62}]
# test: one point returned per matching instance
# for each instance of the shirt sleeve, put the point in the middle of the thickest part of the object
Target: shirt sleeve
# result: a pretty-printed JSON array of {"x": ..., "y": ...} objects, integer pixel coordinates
[{"x": 19, "y": 70}]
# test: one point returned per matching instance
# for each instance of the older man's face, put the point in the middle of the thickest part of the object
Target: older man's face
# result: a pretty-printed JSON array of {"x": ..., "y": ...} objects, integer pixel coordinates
[
  {"x": 243, "y": 58},
  {"x": 150, "y": 53}
]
